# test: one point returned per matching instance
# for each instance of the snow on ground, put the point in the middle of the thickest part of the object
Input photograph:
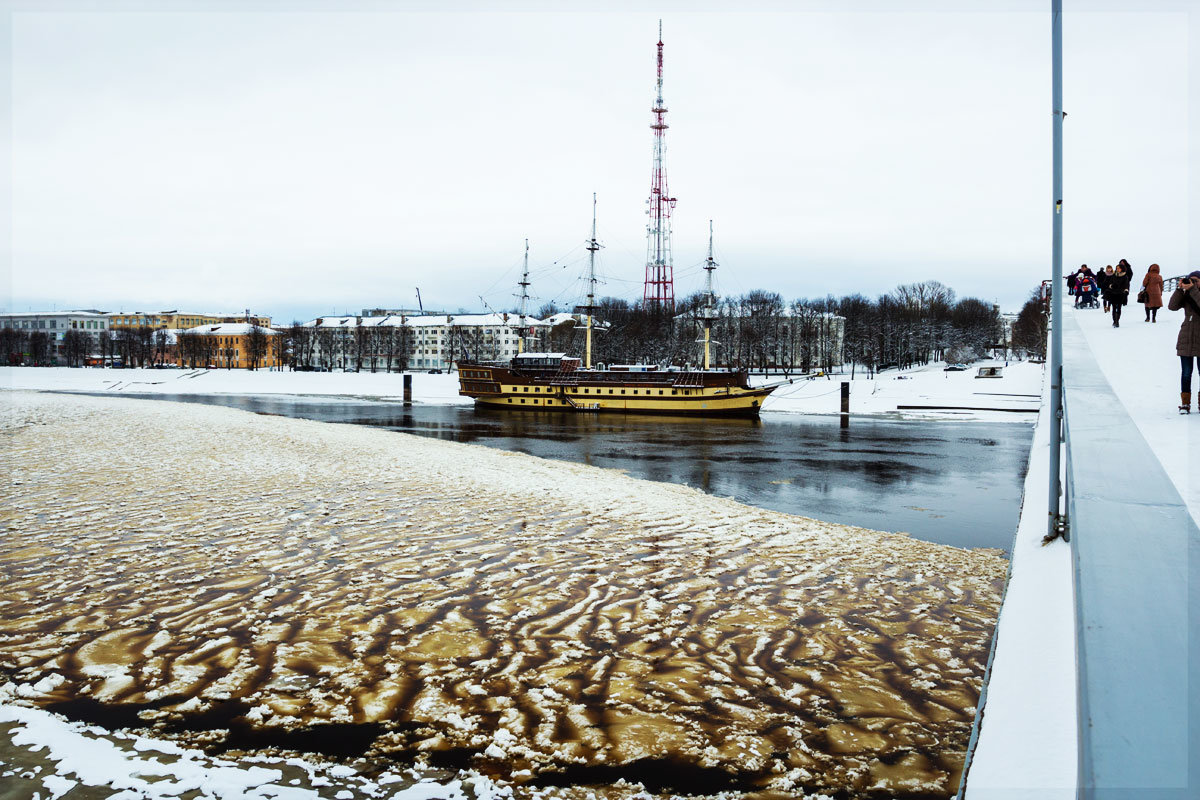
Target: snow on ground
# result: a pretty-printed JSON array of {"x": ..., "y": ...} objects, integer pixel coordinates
[
  {"x": 1033, "y": 756},
  {"x": 1027, "y": 746},
  {"x": 957, "y": 394},
  {"x": 952, "y": 395},
  {"x": 1140, "y": 363},
  {"x": 49, "y": 757},
  {"x": 226, "y": 577}
]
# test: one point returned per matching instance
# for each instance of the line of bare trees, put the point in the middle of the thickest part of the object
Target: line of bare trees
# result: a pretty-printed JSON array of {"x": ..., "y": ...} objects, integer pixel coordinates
[
  {"x": 1032, "y": 326},
  {"x": 380, "y": 346},
  {"x": 913, "y": 324}
]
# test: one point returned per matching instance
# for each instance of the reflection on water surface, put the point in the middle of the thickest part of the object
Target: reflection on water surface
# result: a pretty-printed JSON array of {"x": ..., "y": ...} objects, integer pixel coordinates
[{"x": 956, "y": 483}]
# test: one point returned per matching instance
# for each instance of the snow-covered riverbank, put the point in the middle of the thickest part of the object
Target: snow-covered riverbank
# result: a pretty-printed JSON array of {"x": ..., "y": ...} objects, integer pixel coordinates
[
  {"x": 223, "y": 575},
  {"x": 947, "y": 395}
]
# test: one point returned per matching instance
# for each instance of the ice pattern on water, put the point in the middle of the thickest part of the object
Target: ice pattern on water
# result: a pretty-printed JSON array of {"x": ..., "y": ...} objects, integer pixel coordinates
[{"x": 529, "y": 617}]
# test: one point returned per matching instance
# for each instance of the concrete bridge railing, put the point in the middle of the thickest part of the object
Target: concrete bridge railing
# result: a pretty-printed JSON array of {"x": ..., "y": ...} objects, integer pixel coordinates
[{"x": 1136, "y": 552}]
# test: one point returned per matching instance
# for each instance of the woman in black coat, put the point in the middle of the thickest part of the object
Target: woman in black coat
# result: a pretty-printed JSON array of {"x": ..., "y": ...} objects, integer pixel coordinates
[
  {"x": 1103, "y": 276},
  {"x": 1118, "y": 291}
]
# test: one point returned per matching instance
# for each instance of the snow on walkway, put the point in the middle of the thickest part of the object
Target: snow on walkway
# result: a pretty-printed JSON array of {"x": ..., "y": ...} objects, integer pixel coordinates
[
  {"x": 210, "y": 569},
  {"x": 1028, "y": 748},
  {"x": 1140, "y": 363}
]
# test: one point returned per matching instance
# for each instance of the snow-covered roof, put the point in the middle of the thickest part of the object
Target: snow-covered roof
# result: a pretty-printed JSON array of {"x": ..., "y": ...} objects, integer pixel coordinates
[
  {"x": 229, "y": 329},
  {"x": 562, "y": 318},
  {"x": 24, "y": 314}
]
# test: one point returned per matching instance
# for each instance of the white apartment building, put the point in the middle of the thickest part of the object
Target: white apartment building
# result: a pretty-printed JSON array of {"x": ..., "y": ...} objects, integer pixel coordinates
[
  {"x": 430, "y": 341},
  {"x": 55, "y": 324}
]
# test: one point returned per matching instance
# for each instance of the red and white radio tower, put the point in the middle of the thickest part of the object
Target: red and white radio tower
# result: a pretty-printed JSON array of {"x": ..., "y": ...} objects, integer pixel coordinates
[{"x": 660, "y": 280}]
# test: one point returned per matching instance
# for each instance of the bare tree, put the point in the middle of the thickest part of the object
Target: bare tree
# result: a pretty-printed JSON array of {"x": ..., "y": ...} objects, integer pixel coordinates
[
  {"x": 325, "y": 342},
  {"x": 12, "y": 344},
  {"x": 1030, "y": 329},
  {"x": 162, "y": 345},
  {"x": 76, "y": 347},
  {"x": 257, "y": 342},
  {"x": 105, "y": 345},
  {"x": 39, "y": 348}
]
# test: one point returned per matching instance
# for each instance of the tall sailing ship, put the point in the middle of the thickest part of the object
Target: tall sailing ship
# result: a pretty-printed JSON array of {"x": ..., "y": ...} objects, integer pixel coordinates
[{"x": 556, "y": 381}]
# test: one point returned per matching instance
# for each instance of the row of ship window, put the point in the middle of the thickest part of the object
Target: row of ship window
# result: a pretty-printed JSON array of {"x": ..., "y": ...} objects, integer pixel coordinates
[{"x": 600, "y": 391}]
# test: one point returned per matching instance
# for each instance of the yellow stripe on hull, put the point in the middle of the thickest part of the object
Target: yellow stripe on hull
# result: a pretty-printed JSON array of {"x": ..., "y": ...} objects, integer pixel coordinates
[{"x": 735, "y": 403}]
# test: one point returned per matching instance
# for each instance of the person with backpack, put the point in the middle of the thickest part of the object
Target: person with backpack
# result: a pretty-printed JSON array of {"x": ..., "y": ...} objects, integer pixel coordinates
[{"x": 1187, "y": 297}]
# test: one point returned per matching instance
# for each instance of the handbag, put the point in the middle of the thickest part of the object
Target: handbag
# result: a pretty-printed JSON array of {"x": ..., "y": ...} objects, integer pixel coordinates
[{"x": 1143, "y": 296}]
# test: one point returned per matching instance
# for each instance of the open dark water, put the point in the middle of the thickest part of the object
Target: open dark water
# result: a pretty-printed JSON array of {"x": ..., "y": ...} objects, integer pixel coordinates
[{"x": 956, "y": 483}]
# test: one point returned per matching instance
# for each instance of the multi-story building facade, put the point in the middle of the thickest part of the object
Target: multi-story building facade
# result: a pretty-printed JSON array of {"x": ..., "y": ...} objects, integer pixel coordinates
[
  {"x": 54, "y": 325},
  {"x": 429, "y": 342},
  {"x": 182, "y": 320},
  {"x": 230, "y": 345}
]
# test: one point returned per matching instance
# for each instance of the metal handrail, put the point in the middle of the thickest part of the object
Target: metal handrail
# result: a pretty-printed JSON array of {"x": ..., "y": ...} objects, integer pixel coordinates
[{"x": 1170, "y": 284}]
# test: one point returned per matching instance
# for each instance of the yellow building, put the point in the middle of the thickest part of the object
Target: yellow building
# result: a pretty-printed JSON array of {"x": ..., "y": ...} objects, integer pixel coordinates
[
  {"x": 180, "y": 320},
  {"x": 229, "y": 346}
]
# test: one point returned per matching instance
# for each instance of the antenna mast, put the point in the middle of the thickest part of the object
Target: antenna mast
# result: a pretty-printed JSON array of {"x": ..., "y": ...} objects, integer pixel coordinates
[
  {"x": 709, "y": 297},
  {"x": 524, "y": 307},
  {"x": 660, "y": 279}
]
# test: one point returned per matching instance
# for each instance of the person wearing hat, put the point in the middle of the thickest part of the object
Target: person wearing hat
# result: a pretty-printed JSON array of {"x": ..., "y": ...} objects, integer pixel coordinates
[{"x": 1187, "y": 297}]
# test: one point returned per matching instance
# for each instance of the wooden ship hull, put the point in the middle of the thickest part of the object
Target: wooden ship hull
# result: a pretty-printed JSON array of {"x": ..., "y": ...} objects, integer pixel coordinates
[{"x": 710, "y": 393}]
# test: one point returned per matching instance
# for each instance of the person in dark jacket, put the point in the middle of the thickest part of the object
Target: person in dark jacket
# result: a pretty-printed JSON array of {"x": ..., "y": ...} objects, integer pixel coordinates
[
  {"x": 1187, "y": 297},
  {"x": 1118, "y": 291},
  {"x": 1085, "y": 289},
  {"x": 1102, "y": 278}
]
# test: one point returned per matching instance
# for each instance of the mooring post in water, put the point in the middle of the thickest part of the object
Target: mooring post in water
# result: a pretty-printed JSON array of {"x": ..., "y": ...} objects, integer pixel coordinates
[
  {"x": 845, "y": 404},
  {"x": 408, "y": 390}
]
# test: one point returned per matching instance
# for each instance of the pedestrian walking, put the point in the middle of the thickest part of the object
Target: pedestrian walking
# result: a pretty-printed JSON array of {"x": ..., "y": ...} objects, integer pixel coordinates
[
  {"x": 1118, "y": 292},
  {"x": 1103, "y": 277},
  {"x": 1187, "y": 297},
  {"x": 1151, "y": 294}
]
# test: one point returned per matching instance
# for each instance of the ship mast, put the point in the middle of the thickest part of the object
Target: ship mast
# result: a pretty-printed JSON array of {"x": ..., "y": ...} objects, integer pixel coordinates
[
  {"x": 592, "y": 247},
  {"x": 709, "y": 298},
  {"x": 524, "y": 307}
]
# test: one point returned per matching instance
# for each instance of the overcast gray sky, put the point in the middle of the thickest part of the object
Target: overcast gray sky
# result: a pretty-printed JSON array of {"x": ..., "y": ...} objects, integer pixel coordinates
[{"x": 309, "y": 158}]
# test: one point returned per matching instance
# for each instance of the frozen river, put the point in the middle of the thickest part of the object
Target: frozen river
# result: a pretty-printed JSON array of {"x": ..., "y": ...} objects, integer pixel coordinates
[
  {"x": 956, "y": 483},
  {"x": 237, "y": 582}
]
